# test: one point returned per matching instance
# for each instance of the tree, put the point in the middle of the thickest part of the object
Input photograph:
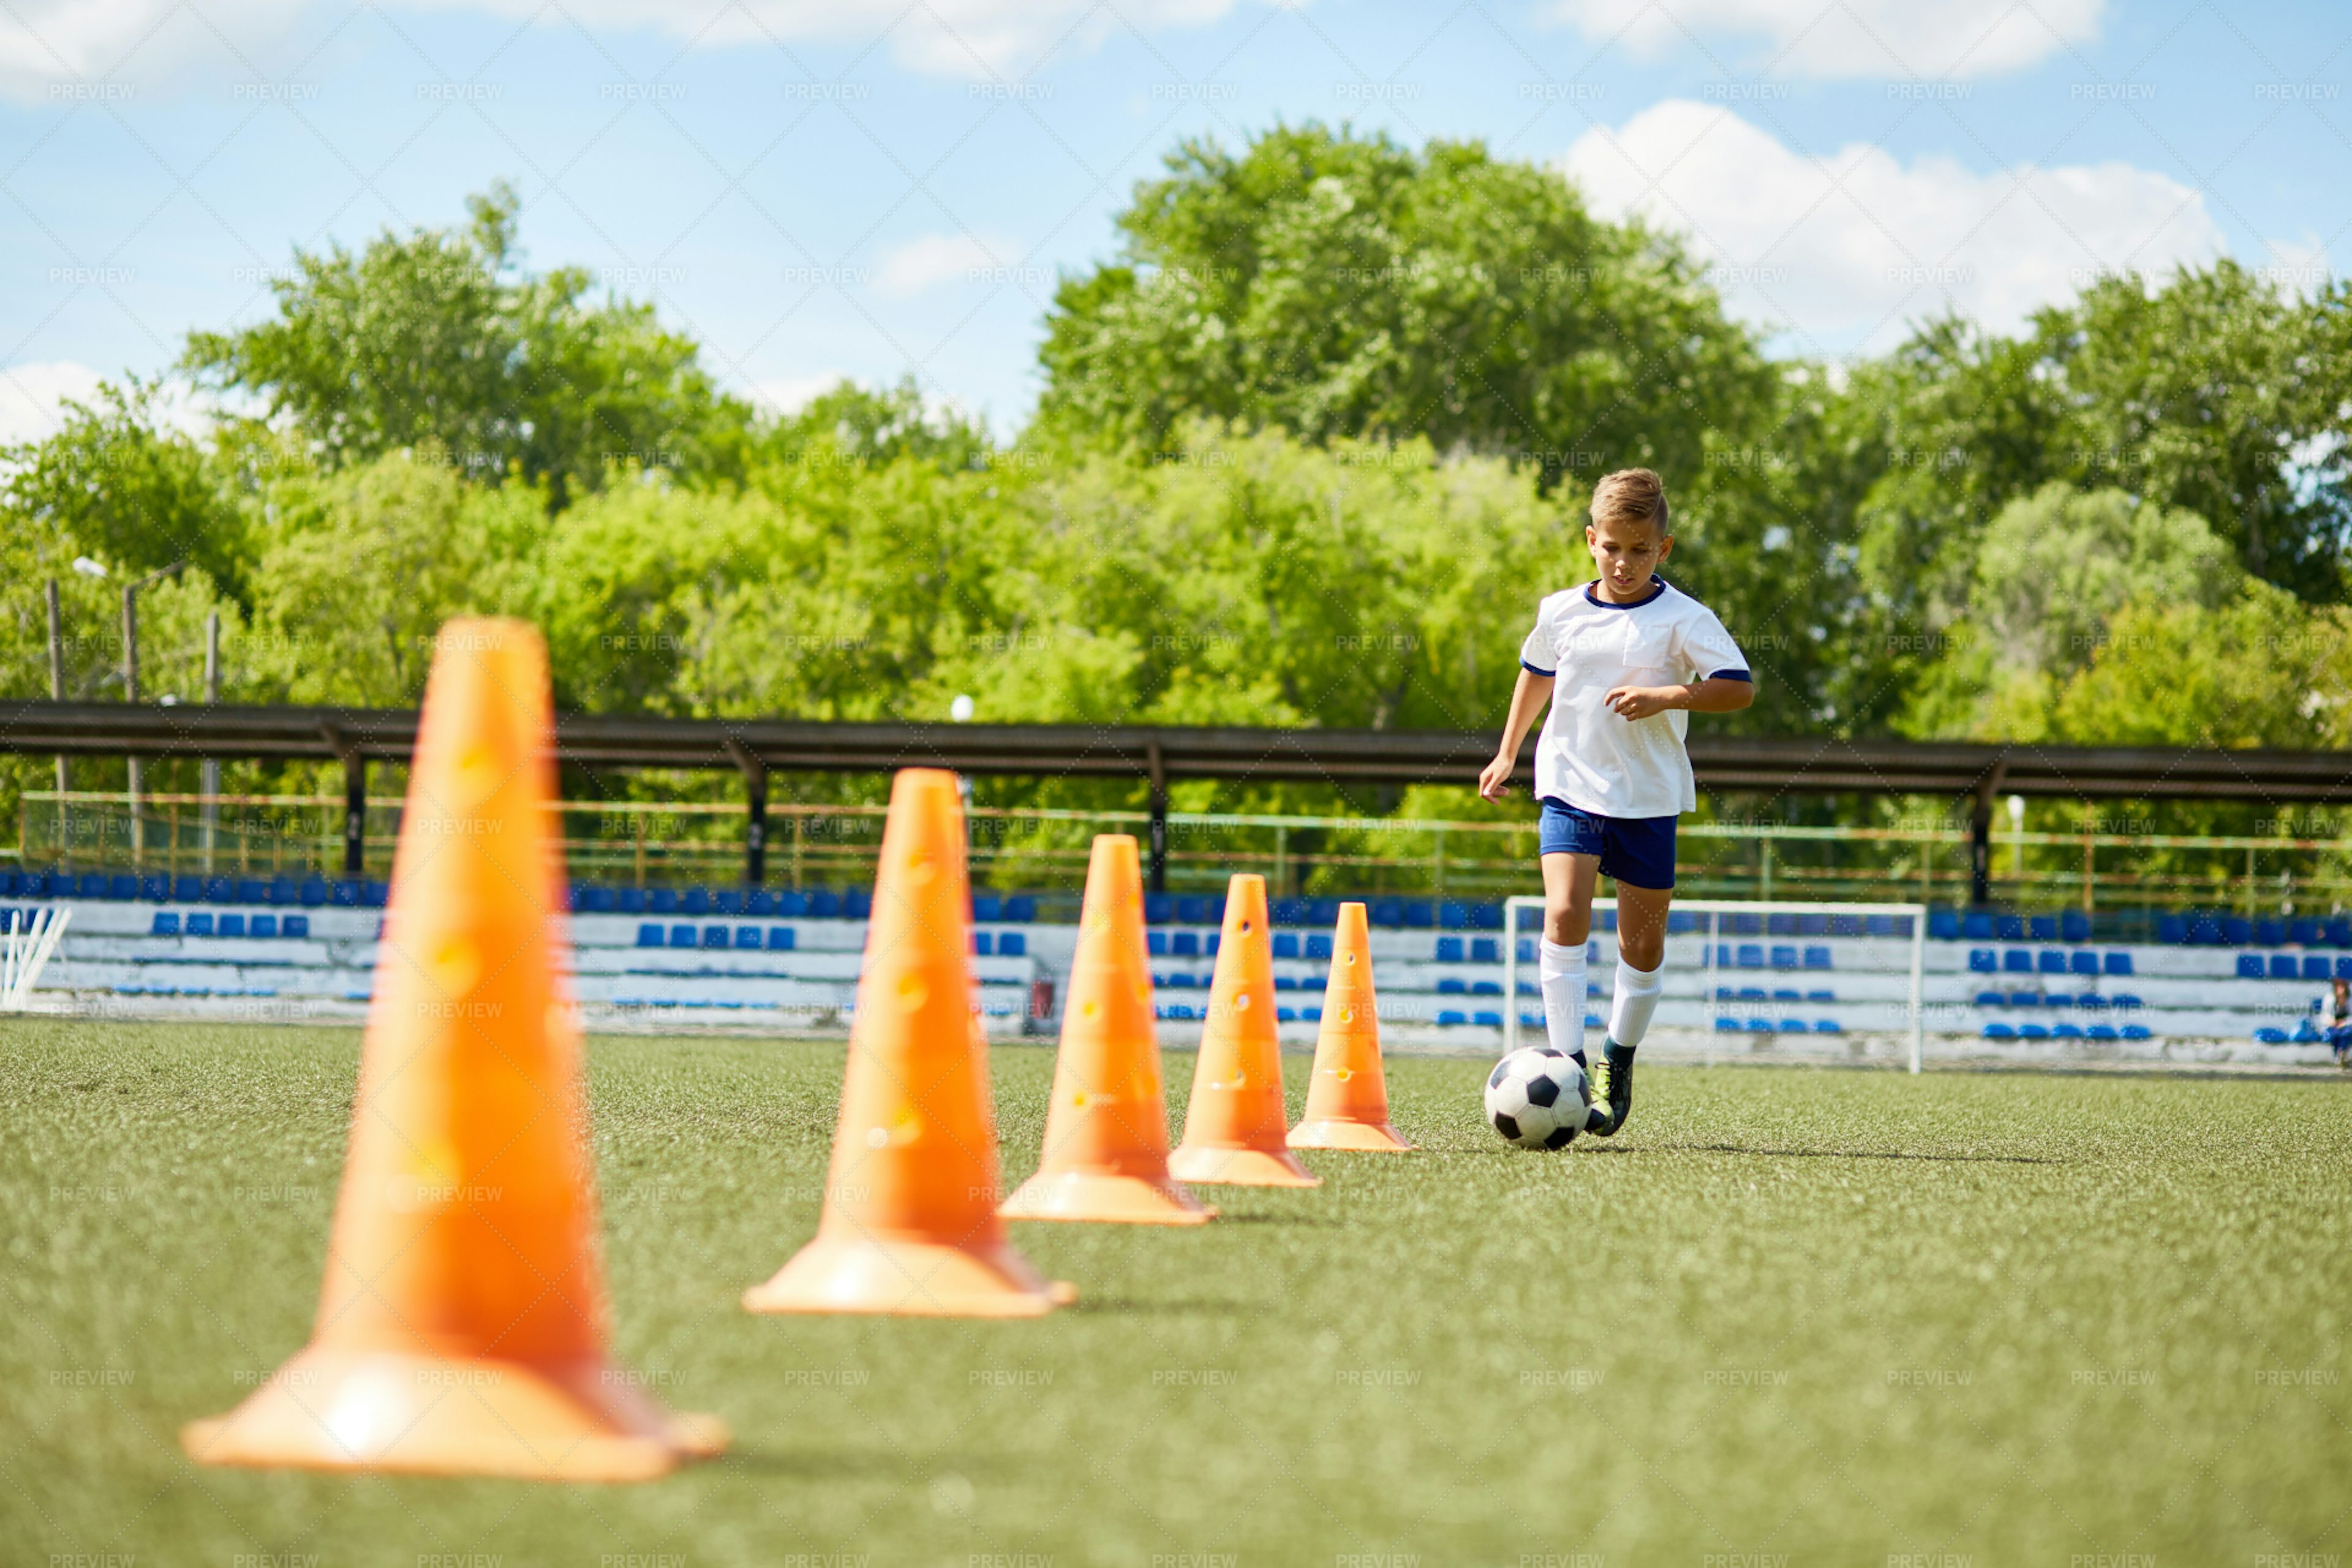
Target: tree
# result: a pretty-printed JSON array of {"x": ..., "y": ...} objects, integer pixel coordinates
[
  {"x": 440, "y": 339},
  {"x": 1339, "y": 286},
  {"x": 874, "y": 427},
  {"x": 126, "y": 490}
]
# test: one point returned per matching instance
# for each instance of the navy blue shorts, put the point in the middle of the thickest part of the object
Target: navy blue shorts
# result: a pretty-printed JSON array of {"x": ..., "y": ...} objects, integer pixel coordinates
[{"x": 1636, "y": 850}]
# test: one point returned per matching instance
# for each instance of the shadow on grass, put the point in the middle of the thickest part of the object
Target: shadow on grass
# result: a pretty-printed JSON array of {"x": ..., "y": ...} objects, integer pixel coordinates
[
  {"x": 1122, "y": 1306},
  {"x": 1829, "y": 1154}
]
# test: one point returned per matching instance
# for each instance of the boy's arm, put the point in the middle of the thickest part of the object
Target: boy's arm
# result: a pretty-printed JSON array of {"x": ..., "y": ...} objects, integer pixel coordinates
[
  {"x": 1715, "y": 694},
  {"x": 1528, "y": 700}
]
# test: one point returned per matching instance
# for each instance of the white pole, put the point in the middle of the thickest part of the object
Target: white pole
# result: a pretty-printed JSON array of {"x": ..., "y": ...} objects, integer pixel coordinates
[{"x": 1918, "y": 973}]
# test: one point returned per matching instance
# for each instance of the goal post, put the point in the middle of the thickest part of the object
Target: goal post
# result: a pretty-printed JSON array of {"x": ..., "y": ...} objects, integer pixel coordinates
[{"x": 1710, "y": 930}]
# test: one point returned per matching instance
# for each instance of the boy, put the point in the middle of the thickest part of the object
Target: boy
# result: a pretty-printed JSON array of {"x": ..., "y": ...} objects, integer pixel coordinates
[{"x": 1622, "y": 659}]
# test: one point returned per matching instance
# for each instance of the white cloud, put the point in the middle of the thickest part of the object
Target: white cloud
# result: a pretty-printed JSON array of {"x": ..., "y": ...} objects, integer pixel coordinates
[
  {"x": 31, "y": 398},
  {"x": 1897, "y": 39},
  {"x": 98, "y": 51},
  {"x": 1841, "y": 251},
  {"x": 931, "y": 259},
  {"x": 787, "y": 395},
  {"x": 979, "y": 38}
]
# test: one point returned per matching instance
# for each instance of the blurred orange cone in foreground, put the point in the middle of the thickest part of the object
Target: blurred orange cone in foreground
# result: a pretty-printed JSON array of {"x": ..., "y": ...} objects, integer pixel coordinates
[
  {"x": 1234, "y": 1131},
  {"x": 1107, "y": 1128},
  {"x": 461, "y": 1329},
  {"x": 910, "y": 1223},
  {"x": 1348, "y": 1097}
]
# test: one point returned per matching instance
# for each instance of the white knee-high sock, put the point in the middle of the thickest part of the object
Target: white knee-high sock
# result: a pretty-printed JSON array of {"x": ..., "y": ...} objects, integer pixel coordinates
[
  {"x": 1635, "y": 998},
  {"x": 1561, "y": 971}
]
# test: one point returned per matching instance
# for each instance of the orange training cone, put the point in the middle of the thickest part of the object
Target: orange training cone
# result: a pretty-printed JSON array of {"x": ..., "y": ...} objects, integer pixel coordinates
[
  {"x": 910, "y": 1223},
  {"x": 461, "y": 1329},
  {"x": 1348, "y": 1097},
  {"x": 1234, "y": 1132},
  {"x": 1106, "y": 1129}
]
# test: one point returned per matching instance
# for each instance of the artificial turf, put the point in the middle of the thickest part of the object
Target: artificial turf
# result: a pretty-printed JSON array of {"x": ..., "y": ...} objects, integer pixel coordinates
[{"x": 1789, "y": 1317}]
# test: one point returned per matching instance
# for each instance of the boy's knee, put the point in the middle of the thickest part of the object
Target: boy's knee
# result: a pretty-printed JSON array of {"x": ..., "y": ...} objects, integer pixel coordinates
[{"x": 1566, "y": 924}]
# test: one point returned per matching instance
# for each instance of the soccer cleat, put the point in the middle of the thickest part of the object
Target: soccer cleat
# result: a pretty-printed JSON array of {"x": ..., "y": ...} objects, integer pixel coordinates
[{"x": 1612, "y": 1092}]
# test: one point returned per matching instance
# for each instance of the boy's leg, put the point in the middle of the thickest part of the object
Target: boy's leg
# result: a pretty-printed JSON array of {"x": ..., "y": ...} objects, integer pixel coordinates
[
  {"x": 1641, "y": 975},
  {"x": 1568, "y": 921}
]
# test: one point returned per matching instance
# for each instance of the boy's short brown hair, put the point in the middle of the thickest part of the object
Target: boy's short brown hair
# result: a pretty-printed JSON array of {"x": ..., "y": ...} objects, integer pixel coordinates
[{"x": 1631, "y": 495}]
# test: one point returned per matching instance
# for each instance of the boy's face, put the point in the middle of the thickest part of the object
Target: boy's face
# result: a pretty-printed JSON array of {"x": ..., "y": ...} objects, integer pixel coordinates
[{"x": 1627, "y": 554}]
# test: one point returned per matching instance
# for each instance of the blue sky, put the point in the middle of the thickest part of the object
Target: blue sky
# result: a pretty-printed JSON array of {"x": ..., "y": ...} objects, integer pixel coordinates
[{"x": 876, "y": 189}]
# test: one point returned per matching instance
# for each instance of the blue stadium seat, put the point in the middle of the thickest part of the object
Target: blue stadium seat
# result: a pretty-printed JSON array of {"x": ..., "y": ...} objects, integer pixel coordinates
[
  {"x": 155, "y": 887},
  {"x": 2074, "y": 926},
  {"x": 727, "y": 901},
  {"x": 630, "y": 901},
  {"x": 2044, "y": 927},
  {"x": 1977, "y": 926},
  {"x": 312, "y": 894},
  {"x": 1158, "y": 909},
  {"x": 1191, "y": 909},
  {"x": 1754, "y": 994},
  {"x": 2009, "y": 928},
  {"x": 683, "y": 936},
  {"x": 1285, "y": 1014},
  {"x": 1312, "y": 1015},
  {"x": 1821, "y": 995},
  {"x": 1791, "y": 1026},
  {"x": 2017, "y": 961},
  {"x": 595, "y": 901},
  {"x": 2099, "y": 1031},
  {"x": 230, "y": 925},
  {"x": 824, "y": 904},
  {"x": 760, "y": 903},
  {"x": 1817, "y": 957},
  {"x": 2237, "y": 930},
  {"x": 1286, "y": 944},
  {"x": 1487, "y": 1020},
  {"x": 11, "y": 883},
  {"x": 121, "y": 886},
  {"x": 1681, "y": 922},
  {"x": 1486, "y": 949},
  {"x": 717, "y": 937},
  {"x": 2134, "y": 1031},
  {"x": 1419, "y": 914},
  {"x": 1751, "y": 956},
  {"x": 1784, "y": 958},
  {"x": 1786, "y": 993},
  {"x": 2025, "y": 998},
  {"x": 2305, "y": 931},
  {"x": 265, "y": 926},
  {"x": 1449, "y": 950},
  {"x": 166, "y": 924},
  {"x": 2284, "y": 967},
  {"x": 2171, "y": 930},
  {"x": 1760, "y": 1025},
  {"x": 2083, "y": 963},
  {"x": 1318, "y": 945},
  {"x": 1285, "y": 982},
  {"x": 1486, "y": 988},
  {"x": 694, "y": 901},
  {"x": 1983, "y": 960},
  {"x": 987, "y": 907},
  {"x": 789, "y": 903},
  {"x": 2270, "y": 933},
  {"x": 1155, "y": 942},
  {"x": 2033, "y": 1032},
  {"x": 2271, "y": 1036},
  {"x": 2304, "y": 1033},
  {"x": 2050, "y": 960},
  {"x": 2066, "y": 1032},
  {"x": 200, "y": 923},
  {"x": 1450, "y": 987},
  {"x": 1448, "y": 1018},
  {"x": 1184, "y": 943},
  {"x": 1992, "y": 998},
  {"x": 1944, "y": 925},
  {"x": 2124, "y": 999},
  {"x": 1286, "y": 912},
  {"x": 2342, "y": 966},
  {"x": 1722, "y": 1026},
  {"x": 1389, "y": 913},
  {"x": 1453, "y": 914},
  {"x": 984, "y": 943},
  {"x": 295, "y": 926},
  {"x": 2117, "y": 964},
  {"x": 2339, "y": 931},
  {"x": 2250, "y": 966},
  {"x": 779, "y": 938},
  {"x": 650, "y": 934},
  {"x": 747, "y": 939},
  {"x": 661, "y": 900}
]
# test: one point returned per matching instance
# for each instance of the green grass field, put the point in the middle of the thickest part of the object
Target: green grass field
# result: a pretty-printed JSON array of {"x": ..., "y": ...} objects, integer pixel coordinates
[{"x": 1790, "y": 1317}]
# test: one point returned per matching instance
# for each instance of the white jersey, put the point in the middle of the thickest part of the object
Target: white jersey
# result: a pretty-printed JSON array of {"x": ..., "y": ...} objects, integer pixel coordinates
[{"x": 1588, "y": 756}]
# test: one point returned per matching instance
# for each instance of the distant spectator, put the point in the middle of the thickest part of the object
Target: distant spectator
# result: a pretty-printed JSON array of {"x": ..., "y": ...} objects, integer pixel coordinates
[{"x": 2338, "y": 1014}]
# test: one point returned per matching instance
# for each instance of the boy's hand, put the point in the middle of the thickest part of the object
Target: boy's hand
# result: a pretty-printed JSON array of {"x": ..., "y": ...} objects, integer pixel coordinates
[
  {"x": 1640, "y": 701},
  {"x": 1495, "y": 780}
]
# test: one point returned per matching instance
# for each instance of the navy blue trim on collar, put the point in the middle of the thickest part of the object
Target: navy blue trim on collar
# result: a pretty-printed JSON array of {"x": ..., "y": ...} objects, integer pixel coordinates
[
  {"x": 1658, "y": 586},
  {"x": 1531, "y": 669}
]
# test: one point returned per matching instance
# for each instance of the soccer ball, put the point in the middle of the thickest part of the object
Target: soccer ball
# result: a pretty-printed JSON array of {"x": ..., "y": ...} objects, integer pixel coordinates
[{"x": 1537, "y": 1097}]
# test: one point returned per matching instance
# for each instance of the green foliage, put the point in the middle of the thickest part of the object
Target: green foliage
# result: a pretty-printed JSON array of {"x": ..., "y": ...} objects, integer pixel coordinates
[
  {"x": 1339, "y": 286},
  {"x": 439, "y": 339}
]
